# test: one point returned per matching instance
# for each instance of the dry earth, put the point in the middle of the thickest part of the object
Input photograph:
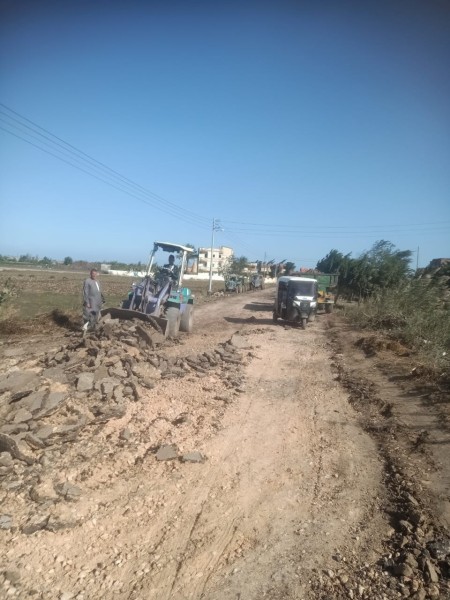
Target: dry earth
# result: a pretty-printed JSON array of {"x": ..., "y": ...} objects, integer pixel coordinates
[{"x": 248, "y": 460}]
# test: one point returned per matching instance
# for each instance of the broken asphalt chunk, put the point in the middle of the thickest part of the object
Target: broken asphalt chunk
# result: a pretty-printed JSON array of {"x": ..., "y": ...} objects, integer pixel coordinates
[
  {"x": 9, "y": 444},
  {"x": 167, "y": 452},
  {"x": 6, "y": 521},
  {"x": 68, "y": 491},
  {"x": 193, "y": 457}
]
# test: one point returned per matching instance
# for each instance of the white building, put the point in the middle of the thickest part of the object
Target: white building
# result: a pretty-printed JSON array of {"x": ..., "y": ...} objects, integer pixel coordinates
[{"x": 220, "y": 257}]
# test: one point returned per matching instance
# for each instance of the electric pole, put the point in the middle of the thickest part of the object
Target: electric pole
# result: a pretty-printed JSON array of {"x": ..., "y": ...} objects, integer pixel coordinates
[{"x": 215, "y": 227}]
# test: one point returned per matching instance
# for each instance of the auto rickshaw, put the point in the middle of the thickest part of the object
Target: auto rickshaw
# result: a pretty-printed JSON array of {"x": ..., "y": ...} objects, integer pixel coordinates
[{"x": 296, "y": 300}]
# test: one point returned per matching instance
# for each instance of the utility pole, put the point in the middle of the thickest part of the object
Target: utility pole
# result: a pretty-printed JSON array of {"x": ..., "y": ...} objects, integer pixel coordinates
[
  {"x": 215, "y": 227},
  {"x": 417, "y": 259}
]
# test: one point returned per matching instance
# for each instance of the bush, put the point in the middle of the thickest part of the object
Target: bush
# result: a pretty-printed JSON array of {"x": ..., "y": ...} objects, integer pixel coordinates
[
  {"x": 415, "y": 313},
  {"x": 7, "y": 291}
]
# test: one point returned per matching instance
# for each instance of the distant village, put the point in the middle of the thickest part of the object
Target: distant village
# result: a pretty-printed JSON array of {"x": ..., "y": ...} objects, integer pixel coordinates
[
  {"x": 199, "y": 266},
  {"x": 203, "y": 261}
]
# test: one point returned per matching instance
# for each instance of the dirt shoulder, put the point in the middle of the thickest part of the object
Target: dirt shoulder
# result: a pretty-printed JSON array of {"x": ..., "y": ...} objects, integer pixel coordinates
[{"x": 248, "y": 460}]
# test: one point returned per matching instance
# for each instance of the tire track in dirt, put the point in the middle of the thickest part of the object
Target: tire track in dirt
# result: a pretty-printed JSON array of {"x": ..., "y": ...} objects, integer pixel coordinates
[{"x": 279, "y": 465}]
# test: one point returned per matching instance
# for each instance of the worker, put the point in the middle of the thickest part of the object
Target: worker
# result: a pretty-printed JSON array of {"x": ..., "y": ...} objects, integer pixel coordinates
[
  {"x": 92, "y": 301},
  {"x": 171, "y": 267}
]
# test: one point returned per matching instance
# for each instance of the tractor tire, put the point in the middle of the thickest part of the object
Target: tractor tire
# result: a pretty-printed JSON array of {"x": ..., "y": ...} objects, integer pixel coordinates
[
  {"x": 274, "y": 317},
  {"x": 328, "y": 308},
  {"x": 304, "y": 322},
  {"x": 187, "y": 319},
  {"x": 173, "y": 322}
]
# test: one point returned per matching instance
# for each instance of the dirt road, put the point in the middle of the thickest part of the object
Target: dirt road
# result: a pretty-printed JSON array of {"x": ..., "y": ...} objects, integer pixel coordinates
[{"x": 268, "y": 479}]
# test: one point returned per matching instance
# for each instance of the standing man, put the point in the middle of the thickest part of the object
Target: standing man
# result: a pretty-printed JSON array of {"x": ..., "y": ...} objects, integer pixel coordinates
[{"x": 92, "y": 300}]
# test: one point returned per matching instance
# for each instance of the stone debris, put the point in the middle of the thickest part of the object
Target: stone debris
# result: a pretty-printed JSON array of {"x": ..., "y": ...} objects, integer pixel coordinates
[
  {"x": 125, "y": 435},
  {"x": 167, "y": 452},
  {"x": 72, "y": 393},
  {"x": 13, "y": 446},
  {"x": 6, "y": 521},
  {"x": 193, "y": 457},
  {"x": 18, "y": 383},
  {"x": 68, "y": 491},
  {"x": 239, "y": 341}
]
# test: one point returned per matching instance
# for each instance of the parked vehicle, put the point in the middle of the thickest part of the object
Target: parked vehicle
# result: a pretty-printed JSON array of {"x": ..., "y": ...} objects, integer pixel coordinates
[
  {"x": 296, "y": 300},
  {"x": 257, "y": 282},
  {"x": 160, "y": 298},
  {"x": 233, "y": 283},
  {"x": 245, "y": 283},
  {"x": 326, "y": 294}
]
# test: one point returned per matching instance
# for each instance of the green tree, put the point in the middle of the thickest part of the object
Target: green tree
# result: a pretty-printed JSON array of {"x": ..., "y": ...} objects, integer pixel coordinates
[
  {"x": 68, "y": 260},
  {"x": 277, "y": 269},
  {"x": 239, "y": 265},
  {"x": 289, "y": 267},
  {"x": 380, "y": 268},
  {"x": 390, "y": 266},
  {"x": 234, "y": 265},
  {"x": 333, "y": 262}
]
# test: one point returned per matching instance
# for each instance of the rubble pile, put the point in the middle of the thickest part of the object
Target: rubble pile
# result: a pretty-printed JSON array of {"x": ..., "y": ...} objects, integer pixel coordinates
[
  {"x": 415, "y": 561},
  {"x": 415, "y": 565},
  {"x": 64, "y": 399}
]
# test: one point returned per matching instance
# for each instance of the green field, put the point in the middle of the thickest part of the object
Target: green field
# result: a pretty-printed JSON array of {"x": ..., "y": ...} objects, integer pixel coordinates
[{"x": 29, "y": 293}]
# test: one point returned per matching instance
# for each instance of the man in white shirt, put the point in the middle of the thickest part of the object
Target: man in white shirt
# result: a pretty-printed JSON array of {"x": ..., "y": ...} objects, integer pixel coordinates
[{"x": 92, "y": 300}]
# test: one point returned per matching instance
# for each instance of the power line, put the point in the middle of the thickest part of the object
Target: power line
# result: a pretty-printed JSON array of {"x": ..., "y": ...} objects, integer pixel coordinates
[
  {"x": 338, "y": 234},
  {"x": 326, "y": 227},
  {"x": 94, "y": 162},
  {"x": 117, "y": 187},
  {"x": 55, "y": 146},
  {"x": 235, "y": 239},
  {"x": 101, "y": 171}
]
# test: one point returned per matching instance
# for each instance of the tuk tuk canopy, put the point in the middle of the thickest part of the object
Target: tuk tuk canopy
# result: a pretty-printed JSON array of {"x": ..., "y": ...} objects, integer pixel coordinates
[{"x": 298, "y": 286}]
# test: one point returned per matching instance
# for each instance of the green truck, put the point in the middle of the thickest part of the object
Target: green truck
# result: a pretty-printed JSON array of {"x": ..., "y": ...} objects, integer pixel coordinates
[{"x": 327, "y": 290}]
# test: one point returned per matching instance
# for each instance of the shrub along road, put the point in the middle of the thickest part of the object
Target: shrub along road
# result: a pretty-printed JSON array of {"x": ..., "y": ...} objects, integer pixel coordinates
[{"x": 248, "y": 460}]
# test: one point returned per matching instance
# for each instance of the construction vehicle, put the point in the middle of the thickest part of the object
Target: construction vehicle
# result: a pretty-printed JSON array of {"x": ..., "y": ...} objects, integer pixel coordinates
[
  {"x": 257, "y": 282},
  {"x": 327, "y": 290},
  {"x": 160, "y": 298},
  {"x": 233, "y": 283}
]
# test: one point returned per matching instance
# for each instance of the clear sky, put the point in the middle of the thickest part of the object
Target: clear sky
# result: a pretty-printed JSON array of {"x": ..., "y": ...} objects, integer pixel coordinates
[{"x": 303, "y": 126}]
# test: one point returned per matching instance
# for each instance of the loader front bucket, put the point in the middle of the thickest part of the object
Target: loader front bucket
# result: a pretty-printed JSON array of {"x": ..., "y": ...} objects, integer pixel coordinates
[{"x": 126, "y": 314}]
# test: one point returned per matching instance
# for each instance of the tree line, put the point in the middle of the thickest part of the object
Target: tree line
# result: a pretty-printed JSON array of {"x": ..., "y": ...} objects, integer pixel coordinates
[
  {"x": 28, "y": 259},
  {"x": 378, "y": 269}
]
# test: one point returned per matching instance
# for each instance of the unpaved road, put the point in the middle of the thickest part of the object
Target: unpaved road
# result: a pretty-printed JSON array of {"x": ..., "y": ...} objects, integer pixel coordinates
[{"x": 309, "y": 487}]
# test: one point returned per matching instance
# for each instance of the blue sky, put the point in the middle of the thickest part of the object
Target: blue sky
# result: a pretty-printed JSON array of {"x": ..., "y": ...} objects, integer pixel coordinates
[{"x": 302, "y": 126}]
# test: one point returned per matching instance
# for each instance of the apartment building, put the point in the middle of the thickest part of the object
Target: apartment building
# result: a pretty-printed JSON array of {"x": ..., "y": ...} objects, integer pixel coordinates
[{"x": 220, "y": 257}]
